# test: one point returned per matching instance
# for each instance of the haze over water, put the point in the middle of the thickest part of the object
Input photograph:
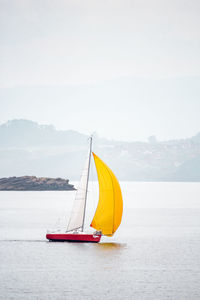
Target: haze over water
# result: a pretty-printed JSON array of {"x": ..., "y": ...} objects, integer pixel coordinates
[
  {"x": 155, "y": 254},
  {"x": 125, "y": 69}
]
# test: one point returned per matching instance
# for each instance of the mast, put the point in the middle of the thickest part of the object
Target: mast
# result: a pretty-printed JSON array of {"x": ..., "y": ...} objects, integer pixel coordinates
[{"x": 88, "y": 173}]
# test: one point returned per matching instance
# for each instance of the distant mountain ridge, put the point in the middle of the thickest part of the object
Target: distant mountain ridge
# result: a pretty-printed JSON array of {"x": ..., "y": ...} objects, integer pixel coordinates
[
  {"x": 28, "y": 133},
  {"x": 29, "y": 148}
]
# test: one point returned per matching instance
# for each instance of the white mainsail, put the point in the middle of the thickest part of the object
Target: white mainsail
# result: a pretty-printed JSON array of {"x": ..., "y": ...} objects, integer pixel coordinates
[{"x": 78, "y": 210}]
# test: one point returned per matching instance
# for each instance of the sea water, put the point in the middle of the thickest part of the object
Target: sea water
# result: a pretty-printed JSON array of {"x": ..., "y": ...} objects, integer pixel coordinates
[{"x": 155, "y": 254}]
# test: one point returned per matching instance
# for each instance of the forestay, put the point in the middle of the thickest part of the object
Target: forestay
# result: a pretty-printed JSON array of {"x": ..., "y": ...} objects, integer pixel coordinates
[{"x": 78, "y": 210}]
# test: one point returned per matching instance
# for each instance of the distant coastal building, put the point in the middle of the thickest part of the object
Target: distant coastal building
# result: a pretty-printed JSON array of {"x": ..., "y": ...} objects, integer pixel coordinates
[{"x": 152, "y": 139}]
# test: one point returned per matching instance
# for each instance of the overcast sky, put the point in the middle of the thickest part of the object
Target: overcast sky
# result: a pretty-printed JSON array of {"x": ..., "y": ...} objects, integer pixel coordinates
[{"x": 91, "y": 47}]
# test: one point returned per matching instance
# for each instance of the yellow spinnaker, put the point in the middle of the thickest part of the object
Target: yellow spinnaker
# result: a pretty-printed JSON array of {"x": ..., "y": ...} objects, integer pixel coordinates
[{"x": 108, "y": 214}]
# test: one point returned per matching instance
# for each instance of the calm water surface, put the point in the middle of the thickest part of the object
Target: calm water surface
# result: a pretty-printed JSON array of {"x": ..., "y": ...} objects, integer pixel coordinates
[{"x": 155, "y": 254}]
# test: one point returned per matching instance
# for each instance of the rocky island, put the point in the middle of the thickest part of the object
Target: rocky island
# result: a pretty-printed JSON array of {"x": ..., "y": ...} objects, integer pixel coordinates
[{"x": 33, "y": 183}]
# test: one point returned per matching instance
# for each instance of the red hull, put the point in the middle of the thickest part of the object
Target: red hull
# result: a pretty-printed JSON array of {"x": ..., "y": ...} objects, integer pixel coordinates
[{"x": 73, "y": 237}]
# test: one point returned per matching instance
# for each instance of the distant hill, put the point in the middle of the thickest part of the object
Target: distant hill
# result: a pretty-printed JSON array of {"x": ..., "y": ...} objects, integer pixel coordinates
[
  {"x": 188, "y": 171},
  {"x": 29, "y": 148},
  {"x": 25, "y": 133}
]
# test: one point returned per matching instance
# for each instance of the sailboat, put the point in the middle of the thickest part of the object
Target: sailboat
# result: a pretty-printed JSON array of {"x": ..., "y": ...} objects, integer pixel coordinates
[{"x": 108, "y": 215}]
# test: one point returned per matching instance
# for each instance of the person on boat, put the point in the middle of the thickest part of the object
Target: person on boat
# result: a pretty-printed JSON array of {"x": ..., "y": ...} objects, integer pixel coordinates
[{"x": 97, "y": 233}]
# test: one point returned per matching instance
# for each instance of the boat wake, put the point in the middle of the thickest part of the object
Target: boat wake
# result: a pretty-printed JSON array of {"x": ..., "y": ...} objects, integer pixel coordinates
[{"x": 27, "y": 241}]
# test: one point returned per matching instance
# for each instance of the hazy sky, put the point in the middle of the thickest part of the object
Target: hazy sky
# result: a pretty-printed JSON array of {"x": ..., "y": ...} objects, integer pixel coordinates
[{"x": 102, "y": 45}]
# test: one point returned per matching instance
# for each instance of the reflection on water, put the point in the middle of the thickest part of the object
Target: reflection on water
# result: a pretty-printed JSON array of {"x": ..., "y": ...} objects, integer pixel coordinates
[
  {"x": 111, "y": 246},
  {"x": 109, "y": 249}
]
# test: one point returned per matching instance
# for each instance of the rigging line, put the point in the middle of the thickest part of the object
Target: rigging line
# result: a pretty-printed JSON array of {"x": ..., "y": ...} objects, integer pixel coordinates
[
  {"x": 88, "y": 174},
  {"x": 94, "y": 187},
  {"x": 93, "y": 192}
]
